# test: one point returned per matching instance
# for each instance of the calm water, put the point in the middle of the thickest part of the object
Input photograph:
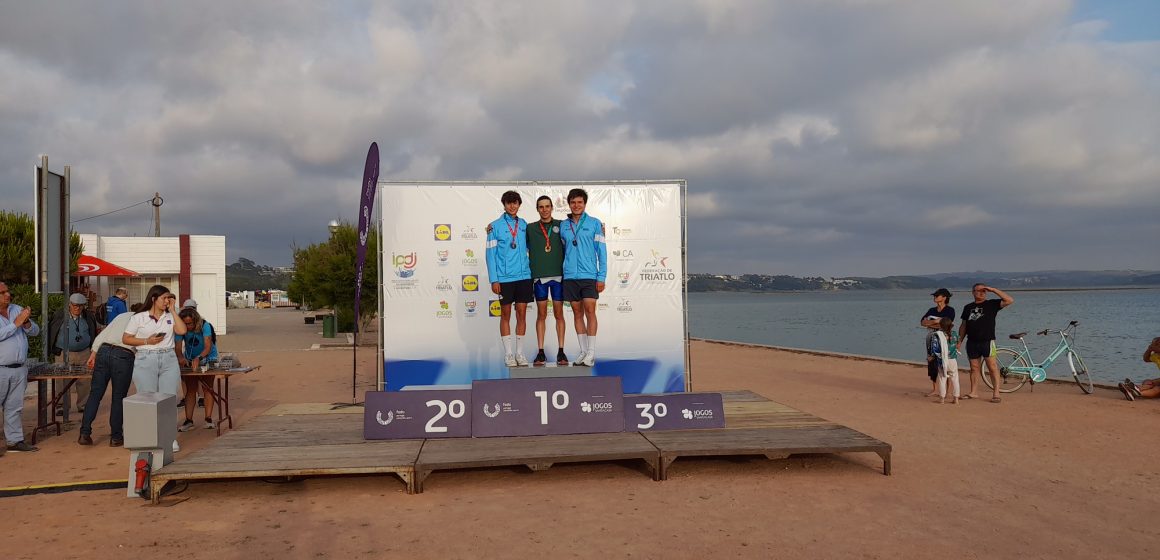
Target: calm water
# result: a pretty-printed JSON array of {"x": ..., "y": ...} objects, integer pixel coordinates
[{"x": 1114, "y": 325}]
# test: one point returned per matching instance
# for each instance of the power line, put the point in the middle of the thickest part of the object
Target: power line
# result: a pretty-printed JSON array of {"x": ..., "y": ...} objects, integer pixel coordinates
[{"x": 115, "y": 211}]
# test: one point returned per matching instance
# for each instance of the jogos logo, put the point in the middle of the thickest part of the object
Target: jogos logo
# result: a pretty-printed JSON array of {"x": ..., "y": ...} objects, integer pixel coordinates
[
  {"x": 493, "y": 308},
  {"x": 444, "y": 310},
  {"x": 404, "y": 264},
  {"x": 442, "y": 232},
  {"x": 470, "y": 283}
]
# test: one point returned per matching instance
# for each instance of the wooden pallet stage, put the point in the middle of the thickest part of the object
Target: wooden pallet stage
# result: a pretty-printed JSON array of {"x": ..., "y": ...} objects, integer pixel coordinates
[{"x": 312, "y": 440}]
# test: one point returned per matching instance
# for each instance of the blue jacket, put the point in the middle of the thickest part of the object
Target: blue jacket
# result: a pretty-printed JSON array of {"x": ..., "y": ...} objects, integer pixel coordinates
[
  {"x": 115, "y": 306},
  {"x": 505, "y": 264},
  {"x": 588, "y": 258}
]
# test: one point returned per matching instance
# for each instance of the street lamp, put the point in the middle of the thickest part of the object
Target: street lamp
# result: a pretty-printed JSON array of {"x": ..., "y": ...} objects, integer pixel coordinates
[{"x": 333, "y": 226}]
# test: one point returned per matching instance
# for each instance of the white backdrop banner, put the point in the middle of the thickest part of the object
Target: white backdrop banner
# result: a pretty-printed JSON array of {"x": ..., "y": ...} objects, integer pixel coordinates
[{"x": 440, "y": 319}]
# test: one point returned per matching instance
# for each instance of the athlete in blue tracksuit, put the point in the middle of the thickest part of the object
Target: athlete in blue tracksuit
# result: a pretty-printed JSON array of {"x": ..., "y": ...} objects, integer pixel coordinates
[
  {"x": 510, "y": 275},
  {"x": 585, "y": 269}
]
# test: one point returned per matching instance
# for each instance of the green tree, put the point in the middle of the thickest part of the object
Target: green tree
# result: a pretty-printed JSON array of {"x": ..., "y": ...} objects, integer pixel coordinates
[
  {"x": 18, "y": 251},
  {"x": 324, "y": 276}
]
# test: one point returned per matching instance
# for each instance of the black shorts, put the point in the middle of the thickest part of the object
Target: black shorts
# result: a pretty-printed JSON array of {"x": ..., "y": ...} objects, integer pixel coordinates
[
  {"x": 577, "y": 290},
  {"x": 519, "y": 291},
  {"x": 980, "y": 348}
]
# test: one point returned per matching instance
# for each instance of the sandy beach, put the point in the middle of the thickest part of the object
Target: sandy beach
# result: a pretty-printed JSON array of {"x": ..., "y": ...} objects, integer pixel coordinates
[{"x": 1046, "y": 474}]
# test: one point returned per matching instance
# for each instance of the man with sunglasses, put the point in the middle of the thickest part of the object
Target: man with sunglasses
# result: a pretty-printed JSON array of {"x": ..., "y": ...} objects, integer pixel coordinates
[
  {"x": 977, "y": 333},
  {"x": 16, "y": 326}
]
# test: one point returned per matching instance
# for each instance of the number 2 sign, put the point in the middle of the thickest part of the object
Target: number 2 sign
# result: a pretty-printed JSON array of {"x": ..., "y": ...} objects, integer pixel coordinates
[{"x": 417, "y": 414}]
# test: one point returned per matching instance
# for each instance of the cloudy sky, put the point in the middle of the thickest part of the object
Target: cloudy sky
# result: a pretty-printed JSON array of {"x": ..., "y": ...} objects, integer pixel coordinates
[{"x": 821, "y": 137}]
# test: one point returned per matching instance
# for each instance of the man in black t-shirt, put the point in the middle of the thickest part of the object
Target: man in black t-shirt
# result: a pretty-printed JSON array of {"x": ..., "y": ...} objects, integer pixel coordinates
[{"x": 977, "y": 334}]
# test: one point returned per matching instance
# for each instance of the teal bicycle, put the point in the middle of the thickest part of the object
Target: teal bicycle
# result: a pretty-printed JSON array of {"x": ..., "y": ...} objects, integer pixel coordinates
[{"x": 1017, "y": 368}]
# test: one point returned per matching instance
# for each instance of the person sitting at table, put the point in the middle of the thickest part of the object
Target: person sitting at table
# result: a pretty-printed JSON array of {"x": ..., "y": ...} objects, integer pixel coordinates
[
  {"x": 196, "y": 348},
  {"x": 151, "y": 332},
  {"x": 1150, "y": 388},
  {"x": 111, "y": 361}
]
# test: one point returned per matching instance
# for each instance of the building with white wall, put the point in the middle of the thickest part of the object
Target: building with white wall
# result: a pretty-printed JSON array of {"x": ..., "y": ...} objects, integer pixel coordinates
[{"x": 191, "y": 266}]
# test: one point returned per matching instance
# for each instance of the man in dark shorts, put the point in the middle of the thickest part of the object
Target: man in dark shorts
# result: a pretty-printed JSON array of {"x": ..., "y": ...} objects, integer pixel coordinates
[
  {"x": 546, "y": 254},
  {"x": 585, "y": 269},
  {"x": 977, "y": 333},
  {"x": 510, "y": 276},
  {"x": 930, "y": 320}
]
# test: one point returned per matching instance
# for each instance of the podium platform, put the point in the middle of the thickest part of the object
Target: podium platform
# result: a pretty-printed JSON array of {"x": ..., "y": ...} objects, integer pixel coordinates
[{"x": 310, "y": 439}]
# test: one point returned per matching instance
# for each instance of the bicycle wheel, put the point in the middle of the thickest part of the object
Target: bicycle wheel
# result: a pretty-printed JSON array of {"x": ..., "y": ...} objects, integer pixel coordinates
[
  {"x": 1009, "y": 381},
  {"x": 1080, "y": 371}
]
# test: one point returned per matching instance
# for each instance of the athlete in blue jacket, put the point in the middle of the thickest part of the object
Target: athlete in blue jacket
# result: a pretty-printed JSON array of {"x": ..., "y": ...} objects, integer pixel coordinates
[
  {"x": 585, "y": 268},
  {"x": 510, "y": 275}
]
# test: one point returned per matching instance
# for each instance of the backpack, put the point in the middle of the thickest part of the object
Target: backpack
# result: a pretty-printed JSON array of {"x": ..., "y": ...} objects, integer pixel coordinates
[{"x": 212, "y": 334}]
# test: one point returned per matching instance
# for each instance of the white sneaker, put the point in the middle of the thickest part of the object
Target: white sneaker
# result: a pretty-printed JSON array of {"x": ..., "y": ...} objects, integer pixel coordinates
[
  {"x": 521, "y": 361},
  {"x": 589, "y": 359},
  {"x": 176, "y": 447},
  {"x": 510, "y": 361},
  {"x": 209, "y": 425},
  {"x": 580, "y": 360}
]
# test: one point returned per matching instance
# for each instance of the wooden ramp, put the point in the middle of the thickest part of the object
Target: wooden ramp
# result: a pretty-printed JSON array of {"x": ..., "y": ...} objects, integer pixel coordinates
[{"x": 311, "y": 440}]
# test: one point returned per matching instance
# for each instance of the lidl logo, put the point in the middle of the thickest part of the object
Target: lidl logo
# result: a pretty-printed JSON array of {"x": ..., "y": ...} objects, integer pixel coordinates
[
  {"x": 442, "y": 232},
  {"x": 404, "y": 264},
  {"x": 470, "y": 283},
  {"x": 493, "y": 309}
]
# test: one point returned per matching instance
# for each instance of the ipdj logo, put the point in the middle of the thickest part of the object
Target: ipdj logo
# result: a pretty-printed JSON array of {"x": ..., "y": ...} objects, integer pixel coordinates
[
  {"x": 493, "y": 308},
  {"x": 470, "y": 283},
  {"x": 470, "y": 307},
  {"x": 623, "y": 278},
  {"x": 443, "y": 257},
  {"x": 404, "y": 264},
  {"x": 442, "y": 232}
]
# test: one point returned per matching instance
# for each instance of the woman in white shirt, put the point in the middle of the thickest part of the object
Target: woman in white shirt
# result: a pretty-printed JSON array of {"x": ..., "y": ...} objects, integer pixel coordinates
[{"x": 151, "y": 331}]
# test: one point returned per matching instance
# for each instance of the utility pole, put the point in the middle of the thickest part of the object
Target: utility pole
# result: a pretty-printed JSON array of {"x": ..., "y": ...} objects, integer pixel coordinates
[{"x": 157, "y": 202}]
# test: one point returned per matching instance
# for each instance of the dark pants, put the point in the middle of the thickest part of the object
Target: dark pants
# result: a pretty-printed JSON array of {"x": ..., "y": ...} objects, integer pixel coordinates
[{"x": 114, "y": 364}]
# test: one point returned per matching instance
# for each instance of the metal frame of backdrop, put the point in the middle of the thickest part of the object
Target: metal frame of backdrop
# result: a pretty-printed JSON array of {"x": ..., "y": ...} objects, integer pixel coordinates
[{"x": 385, "y": 190}]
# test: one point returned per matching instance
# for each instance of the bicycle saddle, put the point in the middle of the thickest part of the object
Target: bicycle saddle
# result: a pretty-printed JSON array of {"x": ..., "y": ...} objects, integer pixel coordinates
[{"x": 1017, "y": 336}]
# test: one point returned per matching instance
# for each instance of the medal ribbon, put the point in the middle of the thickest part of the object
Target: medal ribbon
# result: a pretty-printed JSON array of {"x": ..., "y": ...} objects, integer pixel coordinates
[
  {"x": 515, "y": 228},
  {"x": 547, "y": 240},
  {"x": 571, "y": 224}
]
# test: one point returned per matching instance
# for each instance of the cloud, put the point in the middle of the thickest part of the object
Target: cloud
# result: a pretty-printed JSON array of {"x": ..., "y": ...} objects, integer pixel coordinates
[{"x": 831, "y": 137}]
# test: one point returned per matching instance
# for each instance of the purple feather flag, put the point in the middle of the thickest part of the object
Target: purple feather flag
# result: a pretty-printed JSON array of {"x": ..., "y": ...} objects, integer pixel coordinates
[{"x": 369, "y": 182}]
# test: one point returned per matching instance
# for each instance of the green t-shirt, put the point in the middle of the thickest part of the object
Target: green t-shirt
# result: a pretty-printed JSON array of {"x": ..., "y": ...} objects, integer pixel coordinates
[{"x": 546, "y": 254}]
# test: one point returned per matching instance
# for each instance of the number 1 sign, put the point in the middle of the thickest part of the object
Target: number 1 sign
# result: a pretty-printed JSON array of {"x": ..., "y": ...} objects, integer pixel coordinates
[
  {"x": 548, "y": 405},
  {"x": 417, "y": 414}
]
